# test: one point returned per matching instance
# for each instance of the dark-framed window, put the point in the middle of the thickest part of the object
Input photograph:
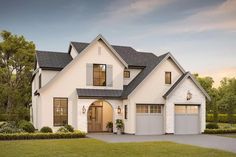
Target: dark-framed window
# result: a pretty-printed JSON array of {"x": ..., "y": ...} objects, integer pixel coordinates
[
  {"x": 126, "y": 112},
  {"x": 167, "y": 77},
  {"x": 99, "y": 74},
  {"x": 126, "y": 74},
  {"x": 40, "y": 80},
  {"x": 60, "y": 111}
]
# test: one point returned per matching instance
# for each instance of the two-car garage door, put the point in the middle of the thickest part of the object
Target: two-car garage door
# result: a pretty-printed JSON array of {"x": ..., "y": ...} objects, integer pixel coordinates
[
  {"x": 149, "y": 119},
  {"x": 187, "y": 119}
]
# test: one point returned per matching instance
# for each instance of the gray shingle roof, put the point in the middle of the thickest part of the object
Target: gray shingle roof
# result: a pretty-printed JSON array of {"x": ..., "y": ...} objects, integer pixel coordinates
[
  {"x": 52, "y": 60},
  {"x": 147, "y": 61},
  {"x": 98, "y": 93}
]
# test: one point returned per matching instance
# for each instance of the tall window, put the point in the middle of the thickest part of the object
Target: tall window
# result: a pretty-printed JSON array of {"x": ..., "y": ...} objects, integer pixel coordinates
[
  {"x": 126, "y": 112},
  {"x": 126, "y": 74},
  {"x": 167, "y": 77},
  {"x": 99, "y": 74},
  {"x": 40, "y": 81},
  {"x": 60, "y": 111}
]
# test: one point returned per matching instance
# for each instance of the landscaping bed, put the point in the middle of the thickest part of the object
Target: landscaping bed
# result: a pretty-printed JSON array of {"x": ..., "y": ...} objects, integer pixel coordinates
[{"x": 27, "y": 136}]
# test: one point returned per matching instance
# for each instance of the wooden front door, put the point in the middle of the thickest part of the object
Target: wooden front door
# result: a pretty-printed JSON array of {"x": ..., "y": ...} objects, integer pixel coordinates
[{"x": 95, "y": 119}]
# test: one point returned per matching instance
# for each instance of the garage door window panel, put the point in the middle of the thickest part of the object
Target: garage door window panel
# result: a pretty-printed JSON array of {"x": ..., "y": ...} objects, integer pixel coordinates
[
  {"x": 142, "y": 108},
  {"x": 180, "y": 109},
  {"x": 155, "y": 108},
  {"x": 192, "y": 109}
]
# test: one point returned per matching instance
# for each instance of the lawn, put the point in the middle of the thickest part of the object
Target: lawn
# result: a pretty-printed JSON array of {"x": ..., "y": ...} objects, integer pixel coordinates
[{"x": 94, "y": 148}]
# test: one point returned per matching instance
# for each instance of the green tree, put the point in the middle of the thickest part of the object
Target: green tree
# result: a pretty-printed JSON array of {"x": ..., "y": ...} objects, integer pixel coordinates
[
  {"x": 207, "y": 84},
  {"x": 16, "y": 65},
  {"x": 227, "y": 92}
]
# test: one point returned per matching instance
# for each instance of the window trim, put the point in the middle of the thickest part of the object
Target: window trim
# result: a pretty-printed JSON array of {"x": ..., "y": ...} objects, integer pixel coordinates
[
  {"x": 54, "y": 110},
  {"x": 126, "y": 71},
  {"x": 168, "y": 72},
  {"x": 105, "y": 75}
]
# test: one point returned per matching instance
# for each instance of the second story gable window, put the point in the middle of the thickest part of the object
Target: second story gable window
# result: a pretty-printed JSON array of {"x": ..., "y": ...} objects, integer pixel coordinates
[
  {"x": 167, "y": 77},
  {"x": 99, "y": 74},
  {"x": 126, "y": 74}
]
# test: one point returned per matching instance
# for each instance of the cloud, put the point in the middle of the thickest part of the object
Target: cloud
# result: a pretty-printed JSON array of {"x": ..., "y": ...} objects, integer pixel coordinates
[
  {"x": 220, "y": 17},
  {"x": 219, "y": 74},
  {"x": 127, "y": 10}
]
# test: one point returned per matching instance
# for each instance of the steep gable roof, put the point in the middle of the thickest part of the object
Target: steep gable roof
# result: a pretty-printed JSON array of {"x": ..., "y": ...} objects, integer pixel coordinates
[
  {"x": 52, "y": 60},
  {"x": 180, "y": 80}
]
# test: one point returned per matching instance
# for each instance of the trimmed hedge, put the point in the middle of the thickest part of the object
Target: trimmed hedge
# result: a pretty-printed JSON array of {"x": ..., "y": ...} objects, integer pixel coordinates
[
  {"x": 46, "y": 129},
  {"x": 212, "y": 126},
  {"x": 26, "y": 126},
  {"x": 27, "y": 136},
  {"x": 219, "y": 131},
  {"x": 222, "y": 118}
]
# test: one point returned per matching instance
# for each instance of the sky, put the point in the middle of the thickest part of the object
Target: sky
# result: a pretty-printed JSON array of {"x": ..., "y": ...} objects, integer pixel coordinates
[{"x": 201, "y": 34}]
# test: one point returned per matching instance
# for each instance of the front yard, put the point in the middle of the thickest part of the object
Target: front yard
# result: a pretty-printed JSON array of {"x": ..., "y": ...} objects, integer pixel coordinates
[{"x": 94, "y": 148}]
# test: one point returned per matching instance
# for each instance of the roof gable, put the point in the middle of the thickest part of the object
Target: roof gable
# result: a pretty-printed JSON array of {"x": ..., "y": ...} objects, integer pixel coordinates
[
  {"x": 180, "y": 80},
  {"x": 81, "y": 48}
]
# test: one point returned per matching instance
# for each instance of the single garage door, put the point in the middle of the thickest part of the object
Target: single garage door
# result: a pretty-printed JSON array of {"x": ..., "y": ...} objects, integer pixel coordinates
[
  {"x": 149, "y": 119},
  {"x": 187, "y": 119}
]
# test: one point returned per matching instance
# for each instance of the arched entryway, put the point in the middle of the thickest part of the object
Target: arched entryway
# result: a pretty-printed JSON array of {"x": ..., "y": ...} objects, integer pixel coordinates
[{"x": 99, "y": 114}]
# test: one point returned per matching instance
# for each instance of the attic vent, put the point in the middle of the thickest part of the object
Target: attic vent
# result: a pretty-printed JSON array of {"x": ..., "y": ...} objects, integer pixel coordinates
[{"x": 99, "y": 50}]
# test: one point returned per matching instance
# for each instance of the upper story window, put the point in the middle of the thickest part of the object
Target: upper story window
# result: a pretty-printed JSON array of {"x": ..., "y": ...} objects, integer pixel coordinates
[
  {"x": 40, "y": 81},
  {"x": 167, "y": 77},
  {"x": 99, "y": 74},
  {"x": 126, "y": 74}
]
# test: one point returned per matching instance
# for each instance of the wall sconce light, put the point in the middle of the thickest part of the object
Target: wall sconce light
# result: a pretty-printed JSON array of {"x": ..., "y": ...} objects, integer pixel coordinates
[
  {"x": 189, "y": 95},
  {"x": 83, "y": 110},
  {"x": 118, "y": 110}
]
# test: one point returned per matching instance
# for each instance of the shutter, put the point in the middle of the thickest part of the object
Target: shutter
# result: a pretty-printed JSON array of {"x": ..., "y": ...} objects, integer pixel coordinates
[
  {"x": 109, "y": 76},
  {"x": 89, "y": 74}
]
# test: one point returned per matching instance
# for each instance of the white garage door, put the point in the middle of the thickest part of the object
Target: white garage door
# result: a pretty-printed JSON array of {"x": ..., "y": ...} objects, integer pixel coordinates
[
  {"x": 149, "y": 119},
  {"x": 187, "y": 119}
]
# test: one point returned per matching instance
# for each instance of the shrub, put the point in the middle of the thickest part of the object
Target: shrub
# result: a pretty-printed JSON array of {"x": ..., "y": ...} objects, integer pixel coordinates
[
  {"x": 212, "y": 126},
  {"x": 222, "y": 118},
  {"x": 10, "y": 127},
  {"x": 26, "y": 126},
  {"x": 46, "y": 129},
  {"x": 69, "y": 128},
  {"x": 219, "y": 131},
  {"x": 62, "y": 129},
  {"x": 66, "y": 128},
  {"x": 26, "y": 136}
]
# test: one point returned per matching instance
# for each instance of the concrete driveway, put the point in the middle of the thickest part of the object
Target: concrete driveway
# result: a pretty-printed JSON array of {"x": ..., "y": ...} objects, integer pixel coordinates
[{"x": 208, "y": 141}]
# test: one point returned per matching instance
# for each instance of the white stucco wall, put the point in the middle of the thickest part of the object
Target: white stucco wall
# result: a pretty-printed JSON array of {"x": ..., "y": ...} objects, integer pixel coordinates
[
  {"x": 74, "y": 76},
  {"x": 151, "y": 90},
  {"x": 73, "y": 52},
  {"x": 179, "y": 97},
  {"x": 47, "y": 75},
  {"x": 133, "y": 74}
]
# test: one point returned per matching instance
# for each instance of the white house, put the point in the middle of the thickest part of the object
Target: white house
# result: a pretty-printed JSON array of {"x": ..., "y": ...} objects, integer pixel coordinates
[{"x": 96, "y": 83}]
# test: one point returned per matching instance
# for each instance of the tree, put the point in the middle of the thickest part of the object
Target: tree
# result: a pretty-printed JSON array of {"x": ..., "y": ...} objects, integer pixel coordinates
[
  {"x": 207, "y": 84},
  {"x": 227, "y": 92},
  {"x": 16, "y": 65}
]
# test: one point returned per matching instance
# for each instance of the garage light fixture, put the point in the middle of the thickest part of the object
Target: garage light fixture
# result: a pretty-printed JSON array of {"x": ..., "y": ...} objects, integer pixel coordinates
[{"x": 189, "y": 95}]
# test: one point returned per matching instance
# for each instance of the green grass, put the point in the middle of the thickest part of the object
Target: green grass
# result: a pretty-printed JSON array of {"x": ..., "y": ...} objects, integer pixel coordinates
[{"x": 94, "y": 148}]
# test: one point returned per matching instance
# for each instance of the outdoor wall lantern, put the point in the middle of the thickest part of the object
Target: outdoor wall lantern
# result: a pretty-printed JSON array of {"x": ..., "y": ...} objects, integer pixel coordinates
[
  {"x": 83, "y": 110},
  {"x": 118, "y": 110},
  {"x": 189, "y": 95}
]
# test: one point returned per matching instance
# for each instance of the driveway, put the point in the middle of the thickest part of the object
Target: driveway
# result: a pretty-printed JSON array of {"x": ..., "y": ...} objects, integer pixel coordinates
[{"x": 208, "y": 141}]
